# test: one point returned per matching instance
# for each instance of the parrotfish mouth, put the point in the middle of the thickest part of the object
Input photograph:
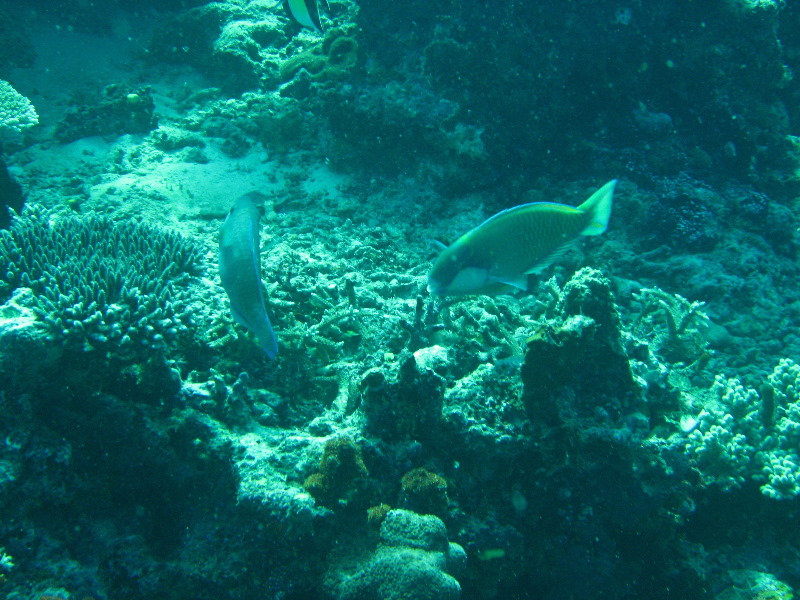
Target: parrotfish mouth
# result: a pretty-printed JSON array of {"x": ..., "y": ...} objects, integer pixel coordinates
[{"x": 468, "y": 278}]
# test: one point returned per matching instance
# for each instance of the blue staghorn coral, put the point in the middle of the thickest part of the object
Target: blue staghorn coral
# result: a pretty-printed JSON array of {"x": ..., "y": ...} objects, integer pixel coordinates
[{"x": 101, "y": 284}]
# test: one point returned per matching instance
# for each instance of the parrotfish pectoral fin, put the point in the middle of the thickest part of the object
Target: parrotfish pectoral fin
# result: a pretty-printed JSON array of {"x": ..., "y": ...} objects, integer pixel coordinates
[
  {"x": 520, "y": 283},
  {"x": 551, "y": 258},
  {"x": 599, "y": 206}
]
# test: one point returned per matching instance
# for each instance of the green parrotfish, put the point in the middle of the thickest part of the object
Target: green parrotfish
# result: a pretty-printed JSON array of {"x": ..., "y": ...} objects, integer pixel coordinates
[
  {"x": 240, "y": 271},
  {"x": 305, "y": 12},
  {"x": 497, "y": 256}
]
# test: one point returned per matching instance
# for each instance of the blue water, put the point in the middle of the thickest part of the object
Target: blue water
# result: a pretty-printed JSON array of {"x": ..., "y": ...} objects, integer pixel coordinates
[{"x": 625, "y": 427}]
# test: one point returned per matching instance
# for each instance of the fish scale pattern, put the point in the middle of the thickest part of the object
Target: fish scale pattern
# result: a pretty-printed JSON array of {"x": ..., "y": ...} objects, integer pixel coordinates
[{"x": 101, "y": 284}]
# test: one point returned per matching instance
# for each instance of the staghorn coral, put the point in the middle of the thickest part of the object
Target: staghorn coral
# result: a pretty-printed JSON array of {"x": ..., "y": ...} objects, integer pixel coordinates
[
  {"x": 674, "y": 325},
  {"x": 99, "y": 284}
]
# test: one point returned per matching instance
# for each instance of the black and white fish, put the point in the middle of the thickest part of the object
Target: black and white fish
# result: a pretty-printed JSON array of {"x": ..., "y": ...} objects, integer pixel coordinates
[{"x": 306, "y": 12}]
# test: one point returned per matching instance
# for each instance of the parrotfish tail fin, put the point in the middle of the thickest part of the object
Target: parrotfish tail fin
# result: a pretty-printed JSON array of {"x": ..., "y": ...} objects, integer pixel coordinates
[
  {"x": 327, "y": 6},
  {"x": 599, "y": 207},
  {"x": 268, "y": 342}
]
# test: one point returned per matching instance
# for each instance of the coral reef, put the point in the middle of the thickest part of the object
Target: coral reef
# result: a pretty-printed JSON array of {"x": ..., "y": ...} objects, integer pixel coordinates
[
  {"x": 576, "y": 366},
  {"x": 250, "y": 46},
  {"x": 16, "y": 111},
  {"x": 413, "y": 561},
  {"x": 100, "y": 285},
  {"x": 598, "y": 437},
  {"x": 740, "y": 435},
  {"x": 402, "y": 402},
  {"x": 119, "y": 109}
]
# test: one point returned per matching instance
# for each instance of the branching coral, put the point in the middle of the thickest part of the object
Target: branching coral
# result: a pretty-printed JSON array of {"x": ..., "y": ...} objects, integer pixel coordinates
[
  {"x": 737, "y": 437},
  {"x": 721, "y": 446},
  {"x": 673, "y": 323},
  {"x": 119, "y": 287}
]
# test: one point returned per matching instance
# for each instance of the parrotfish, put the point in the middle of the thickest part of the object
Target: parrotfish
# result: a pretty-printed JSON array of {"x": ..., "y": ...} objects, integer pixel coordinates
[
  {"x": 305, "y": 12},
  {"x": 240, "y": 271},
  {"x": 497, "y": 255}
]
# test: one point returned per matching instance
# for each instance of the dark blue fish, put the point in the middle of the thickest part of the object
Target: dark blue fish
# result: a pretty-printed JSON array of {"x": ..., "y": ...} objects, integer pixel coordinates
[{"x": 240, "y": 271}]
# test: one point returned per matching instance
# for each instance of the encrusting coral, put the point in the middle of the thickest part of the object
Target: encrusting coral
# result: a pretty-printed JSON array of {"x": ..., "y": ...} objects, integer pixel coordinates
[
  {"x": 424, "y": 492},
  {"x": 341, "y": 473}
]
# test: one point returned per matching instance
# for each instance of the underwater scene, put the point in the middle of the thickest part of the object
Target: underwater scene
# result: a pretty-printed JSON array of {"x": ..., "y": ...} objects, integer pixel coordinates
[{"x": 399, "y": 300}]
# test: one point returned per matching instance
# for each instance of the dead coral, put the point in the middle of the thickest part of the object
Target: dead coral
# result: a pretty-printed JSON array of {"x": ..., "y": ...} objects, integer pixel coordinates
[{"x": 672, "y": 324}]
